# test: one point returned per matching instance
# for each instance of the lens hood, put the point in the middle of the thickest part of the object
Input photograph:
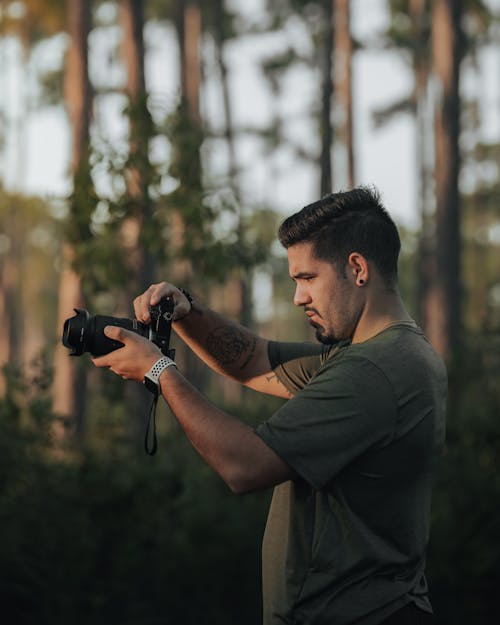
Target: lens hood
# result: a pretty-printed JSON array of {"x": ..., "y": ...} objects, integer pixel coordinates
[{"x": 74, "y": 332}]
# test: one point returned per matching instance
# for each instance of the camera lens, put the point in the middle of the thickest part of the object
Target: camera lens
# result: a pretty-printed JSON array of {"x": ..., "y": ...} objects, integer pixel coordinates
[{"x": 74, "y": 332}]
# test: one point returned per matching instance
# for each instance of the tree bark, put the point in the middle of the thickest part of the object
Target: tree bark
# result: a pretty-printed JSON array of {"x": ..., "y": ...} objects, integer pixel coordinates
[
  {"x": 70, "y": 378},
  {"x": 188, "y": 28},
  {"x": 442, "y": 305},
  {"x": 343, "y": 84},
  {"x": 326, "y": 181},
  {"x": 139, "y": 259},
  {"x": 9, "y": 301}
]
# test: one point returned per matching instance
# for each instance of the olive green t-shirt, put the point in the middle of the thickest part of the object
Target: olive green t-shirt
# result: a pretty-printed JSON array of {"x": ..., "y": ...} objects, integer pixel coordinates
[{"x": 345, "y": 541}]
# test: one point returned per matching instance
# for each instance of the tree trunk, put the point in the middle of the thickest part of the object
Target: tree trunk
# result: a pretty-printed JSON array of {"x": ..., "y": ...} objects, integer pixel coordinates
[
  {"x": 343, "y": 85},
  {"x": 70, "y": 378},
  {"x": 187, "y": 154},
  {"x": 326, "y": 181},
  {"x": 9, "y": 300},
  {"x": 234, "y": 297},
  {"x": 189, "y": 29},
  {"x": 243, "y": 278},
  {"x": 137, "y": 171},
  {"x": 442, "y": 306},
  {"x": 418, "y": 9},
  {"x": 424, "y": 136},
  {"x": 140, "y": 260}
]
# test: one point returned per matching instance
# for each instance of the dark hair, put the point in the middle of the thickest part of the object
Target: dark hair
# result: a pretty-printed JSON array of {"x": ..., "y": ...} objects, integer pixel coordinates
[{"x": 346, "y": 222}]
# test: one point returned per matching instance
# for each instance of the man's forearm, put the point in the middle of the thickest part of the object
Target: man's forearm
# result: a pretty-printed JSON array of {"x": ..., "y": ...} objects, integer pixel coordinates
[
  {"x": 224, "y": 345},
  {"x": 229, "y": 446}
]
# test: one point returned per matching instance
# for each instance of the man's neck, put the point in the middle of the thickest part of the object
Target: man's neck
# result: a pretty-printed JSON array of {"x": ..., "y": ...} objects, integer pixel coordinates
[{"x": 379, "y": 313}]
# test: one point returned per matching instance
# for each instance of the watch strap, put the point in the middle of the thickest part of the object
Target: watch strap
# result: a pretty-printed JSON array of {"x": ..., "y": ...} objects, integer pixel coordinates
[
  {"x": 152, "y": 383},
  {"x": 152, "y": 377}
]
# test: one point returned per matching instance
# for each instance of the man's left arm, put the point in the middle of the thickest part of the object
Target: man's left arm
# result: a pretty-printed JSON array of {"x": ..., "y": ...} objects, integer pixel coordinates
[{"x": 229, "y": 446}]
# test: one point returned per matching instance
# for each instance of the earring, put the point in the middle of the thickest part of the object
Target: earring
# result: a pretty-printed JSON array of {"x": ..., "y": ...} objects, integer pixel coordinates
[{"x": 360, "y": 281}]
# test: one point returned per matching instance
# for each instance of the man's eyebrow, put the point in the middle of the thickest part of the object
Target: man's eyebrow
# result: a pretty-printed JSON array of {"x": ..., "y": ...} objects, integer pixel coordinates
[{"x": 302, "y": 274}]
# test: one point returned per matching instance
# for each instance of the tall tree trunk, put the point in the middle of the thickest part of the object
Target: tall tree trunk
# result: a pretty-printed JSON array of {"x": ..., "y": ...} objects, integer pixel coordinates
[
  {"x": 69, "y": 376},
  {"x": 9, "y": 300},
  {"x": 189, "y": 29},
  {"x": 418, "y": 10},
  {"x": 235, "y": 295},
  {"x": 187, "y": 155},
  {"x": 242, "y": 301},
  {"x": 137, "y": 172},
  {"x": 140, "y": 260},
  {"x": 424, "y": 136},
  {"x": 442, "y": 306},
  {"x": 326, "y": 126},
  {"x": 343, "y": 84}
]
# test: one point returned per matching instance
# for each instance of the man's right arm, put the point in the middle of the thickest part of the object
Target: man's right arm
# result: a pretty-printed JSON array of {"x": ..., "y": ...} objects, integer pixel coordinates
[{"x": 225, "y": 346}]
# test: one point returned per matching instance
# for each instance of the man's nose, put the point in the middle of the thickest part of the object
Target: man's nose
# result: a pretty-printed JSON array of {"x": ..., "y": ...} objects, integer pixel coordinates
[{"x": 301, "y": 296}]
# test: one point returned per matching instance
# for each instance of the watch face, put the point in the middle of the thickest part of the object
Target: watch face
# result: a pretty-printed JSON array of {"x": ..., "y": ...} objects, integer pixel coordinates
[{"x": 150, "y": 385}]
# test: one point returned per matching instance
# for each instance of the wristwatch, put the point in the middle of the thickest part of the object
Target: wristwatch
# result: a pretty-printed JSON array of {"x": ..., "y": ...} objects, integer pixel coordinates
[{"x": 152, "y": 377}]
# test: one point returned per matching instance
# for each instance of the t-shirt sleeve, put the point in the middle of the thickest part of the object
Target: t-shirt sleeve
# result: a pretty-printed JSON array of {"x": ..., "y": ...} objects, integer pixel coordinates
[
  {"x": 346, "y": 409},
  {"x": 296, "y": 363}
]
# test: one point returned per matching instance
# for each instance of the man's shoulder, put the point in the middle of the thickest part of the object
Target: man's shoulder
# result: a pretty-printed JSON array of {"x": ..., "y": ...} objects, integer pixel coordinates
[{"x": 402, "y": 351}]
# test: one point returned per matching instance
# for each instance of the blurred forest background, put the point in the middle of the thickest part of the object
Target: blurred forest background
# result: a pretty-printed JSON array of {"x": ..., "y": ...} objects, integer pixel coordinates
[{"x": 93, "y": 531}]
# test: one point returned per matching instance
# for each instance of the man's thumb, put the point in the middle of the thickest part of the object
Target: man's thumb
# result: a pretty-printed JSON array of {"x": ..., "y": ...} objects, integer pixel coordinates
[{"x": 114, "y": 332}]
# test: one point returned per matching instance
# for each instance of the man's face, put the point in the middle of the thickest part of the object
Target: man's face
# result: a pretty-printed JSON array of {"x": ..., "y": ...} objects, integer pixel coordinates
[{"x": 330, "y": 300}]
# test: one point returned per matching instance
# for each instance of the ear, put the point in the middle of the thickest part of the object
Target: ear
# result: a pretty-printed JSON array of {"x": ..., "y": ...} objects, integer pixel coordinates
[{"x": 358, "y": 266}]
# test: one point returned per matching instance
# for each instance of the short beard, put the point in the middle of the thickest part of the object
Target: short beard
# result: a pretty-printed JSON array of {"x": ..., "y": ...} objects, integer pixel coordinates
[{"x": 325, "y": 339}]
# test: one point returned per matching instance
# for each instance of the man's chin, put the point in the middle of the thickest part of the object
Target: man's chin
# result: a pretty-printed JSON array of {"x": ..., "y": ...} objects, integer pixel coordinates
[
  {"x": 325, "y": 339},
  {"x": 322, "y": 336}
]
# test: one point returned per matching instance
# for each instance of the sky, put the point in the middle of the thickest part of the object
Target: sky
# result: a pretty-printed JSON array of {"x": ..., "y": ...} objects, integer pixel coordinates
[{"x": 385, "y": 157}]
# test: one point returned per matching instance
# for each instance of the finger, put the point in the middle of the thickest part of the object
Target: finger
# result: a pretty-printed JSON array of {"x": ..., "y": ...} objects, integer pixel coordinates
[
  {"x": 127, "y": 337},
  {"x": 118, "y": 334},
  {"x": 101, "y": 361},
  {"x": 142, "y": 303},
  {"x": 150, "y": 297},
  {"x": 159, "y": 291}
]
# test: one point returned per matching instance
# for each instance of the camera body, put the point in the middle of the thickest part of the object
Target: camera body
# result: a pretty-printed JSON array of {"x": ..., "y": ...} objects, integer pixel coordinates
[{"x": 85, "y": 332}]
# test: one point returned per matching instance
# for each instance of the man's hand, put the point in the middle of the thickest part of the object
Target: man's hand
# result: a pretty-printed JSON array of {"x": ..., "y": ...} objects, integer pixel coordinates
[
  {"x": 154, "y": 294},
  {"x": 134, "y": 359}
]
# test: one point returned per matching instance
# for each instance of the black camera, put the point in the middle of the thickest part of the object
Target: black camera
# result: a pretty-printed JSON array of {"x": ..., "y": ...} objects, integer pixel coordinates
[{"x": 85, "y": 332}]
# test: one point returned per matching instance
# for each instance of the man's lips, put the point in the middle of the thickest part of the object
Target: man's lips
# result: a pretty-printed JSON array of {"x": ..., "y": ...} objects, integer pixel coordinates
[{"x": 311, "y": 312}]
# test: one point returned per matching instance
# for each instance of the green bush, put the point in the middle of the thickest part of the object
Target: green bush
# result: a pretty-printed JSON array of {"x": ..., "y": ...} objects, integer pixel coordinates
[{"x": 116, "y": 537}]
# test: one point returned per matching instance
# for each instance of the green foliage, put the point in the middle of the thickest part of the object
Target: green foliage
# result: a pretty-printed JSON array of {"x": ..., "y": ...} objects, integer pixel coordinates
[
  {"x": 408, "y": 261},
  {"x": 29, "y": 244},
  {"x": 187, "y": 199},
  {"x": 111, "y": 536},
  {"x": 464, "y": 554}
]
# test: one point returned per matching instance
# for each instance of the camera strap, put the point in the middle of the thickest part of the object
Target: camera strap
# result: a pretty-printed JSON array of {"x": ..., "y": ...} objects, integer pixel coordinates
[
  {"x": 150, "y": 438},
  {"x": 163, "y": 327}
]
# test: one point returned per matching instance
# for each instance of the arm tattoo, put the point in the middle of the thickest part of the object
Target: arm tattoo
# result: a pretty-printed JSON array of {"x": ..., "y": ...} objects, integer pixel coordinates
[
  {"x": 272, "y": 377},
  {"x": 250, "y": 355},
  {"x": 226, "y": 344}
]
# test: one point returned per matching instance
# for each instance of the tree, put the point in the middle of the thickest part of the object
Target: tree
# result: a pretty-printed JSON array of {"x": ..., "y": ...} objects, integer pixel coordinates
[
  {"x": 9, "y": 279},
  {"x": 138, "y": 167},
  {"x": 69, "y": 377},
  {"x": 343, "y": 85},
  {"x": 435, "y": 44},
  {"x": 442, "y": 297},
  {"x": 327, "y": 89}
]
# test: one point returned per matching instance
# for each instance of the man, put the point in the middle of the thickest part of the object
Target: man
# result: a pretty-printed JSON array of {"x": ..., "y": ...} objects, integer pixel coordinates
[{"x": 352, "y": 453}]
